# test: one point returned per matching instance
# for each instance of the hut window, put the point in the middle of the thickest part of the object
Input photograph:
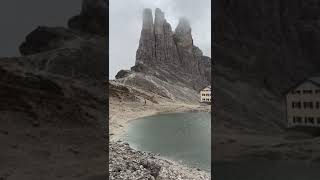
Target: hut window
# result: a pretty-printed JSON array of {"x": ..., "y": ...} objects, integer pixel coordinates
[
  {"x": 296, "y": 105},
  {"x": 308, "y": 105},
  {"x": 311, "y": 120},
  {"x": 307, "y": 91}
]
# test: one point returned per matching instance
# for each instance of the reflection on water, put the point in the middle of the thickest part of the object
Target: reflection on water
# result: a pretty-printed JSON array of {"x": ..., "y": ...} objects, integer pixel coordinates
[{"x": 183, "y": 137}]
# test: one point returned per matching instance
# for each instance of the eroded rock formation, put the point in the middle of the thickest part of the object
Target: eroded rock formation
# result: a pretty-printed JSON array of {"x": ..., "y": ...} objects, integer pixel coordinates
[
  {"x": 159, "y": 47},
  {"x": 146, "y": 54},
  {"x": 262, "y": 48},
  {"x": 170, "y": 57}
]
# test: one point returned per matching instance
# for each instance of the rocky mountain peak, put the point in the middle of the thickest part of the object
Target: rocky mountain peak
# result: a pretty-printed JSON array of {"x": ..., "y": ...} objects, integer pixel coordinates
[
  {"x": 147, "y": 22},
  {"x": 145, "y": 53},
  {"x": 94, "y": 7},
  {"x": 159, "y": 21},
  {"x": 183, "y": 26},
  {"x": 92, "y": 18},
  {"x": 167, "y": 63},
  {"x": 169, "y": 56},
  {"x": 158, "y": 13},
  {"x": 183, "y": 34}
]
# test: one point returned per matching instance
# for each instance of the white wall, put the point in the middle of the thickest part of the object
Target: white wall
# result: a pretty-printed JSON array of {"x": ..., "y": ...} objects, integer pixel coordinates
[
  {"x": 205, "y": 95},
  {"x": 303, "y": 112}
]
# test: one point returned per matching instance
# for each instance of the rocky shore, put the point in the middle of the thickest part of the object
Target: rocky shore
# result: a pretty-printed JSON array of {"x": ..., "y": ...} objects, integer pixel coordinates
[
  {"x": 169, "y": 72},
  {"x": 127, "y": 164}
]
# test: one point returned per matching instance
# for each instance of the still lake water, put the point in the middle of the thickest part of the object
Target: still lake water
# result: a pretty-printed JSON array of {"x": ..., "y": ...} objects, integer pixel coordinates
[{"x": 183, "y": 137}]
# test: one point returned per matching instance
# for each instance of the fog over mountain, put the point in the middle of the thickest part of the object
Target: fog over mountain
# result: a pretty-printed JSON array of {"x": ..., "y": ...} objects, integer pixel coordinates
[{"x": 125, "y": 26}]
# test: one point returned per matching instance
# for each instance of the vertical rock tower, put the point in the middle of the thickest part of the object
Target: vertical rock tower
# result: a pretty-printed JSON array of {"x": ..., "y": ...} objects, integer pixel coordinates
[
  {"x": 171, "y": 55},
  {"x": 156, "y": 45},
  {"x": 146, "y": 53}
]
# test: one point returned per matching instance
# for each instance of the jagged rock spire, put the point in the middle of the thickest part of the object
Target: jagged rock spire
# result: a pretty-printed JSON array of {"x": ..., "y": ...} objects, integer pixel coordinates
[
  {"x": 156, "y": 42},
  {"x": 189, "y": 55},
  {"x": 169, "y": 56},
  {"x": 145, "y": 52},
  {"x": 159, "y": 20},
  {"x": 165, "y": 48},
  {"x": 183, "y": 33},
  {"x": 183, "y": 26},
  {"x": 160, "y": 47},
  {"x": 147, "y": 19}
]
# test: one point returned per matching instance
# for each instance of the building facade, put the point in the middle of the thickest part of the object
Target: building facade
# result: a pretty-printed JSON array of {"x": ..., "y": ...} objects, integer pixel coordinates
[
  {"x": 205, "y": 94},
  {"x": 302, "y": 101}
]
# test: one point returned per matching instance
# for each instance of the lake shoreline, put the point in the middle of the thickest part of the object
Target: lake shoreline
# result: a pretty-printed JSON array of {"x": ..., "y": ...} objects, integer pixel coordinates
[
  {"x": 175, "y": 136},
  {"x": 121, "y": 113},
  {"x": 127, "y": 163}
]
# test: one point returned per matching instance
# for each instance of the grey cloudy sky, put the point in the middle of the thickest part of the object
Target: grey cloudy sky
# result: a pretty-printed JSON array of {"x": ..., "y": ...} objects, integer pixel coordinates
[
  {"x": 20, "y": 17},
  {"x": 125, "y": 23}
]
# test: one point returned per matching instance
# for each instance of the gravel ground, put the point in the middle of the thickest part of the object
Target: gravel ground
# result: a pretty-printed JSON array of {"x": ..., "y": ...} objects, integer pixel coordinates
[{"x": 126, "y": 163}]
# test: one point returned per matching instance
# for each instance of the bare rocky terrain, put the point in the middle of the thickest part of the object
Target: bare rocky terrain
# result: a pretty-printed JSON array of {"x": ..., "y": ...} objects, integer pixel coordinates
[
  {"x": 127, "y": 163},
  {"x": 167, "y": 62},
  {"x": 167, "y": 76},
  {"x": 262, "y": 48},
  {"x": 53, "y": 102},
  {"x": 127, "y": 103}
]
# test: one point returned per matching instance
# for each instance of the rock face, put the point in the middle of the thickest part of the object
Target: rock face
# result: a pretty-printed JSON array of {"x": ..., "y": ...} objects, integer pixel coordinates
[
  {"x": 69, "y": 52},
  {"x": 92, "y": 18},
  {"x": 70, "y": 58},
  {"x": 190, "y": 55},
  {"x": 122, "y": 73},
  {"x": 262, "y": 48},
  {"x": 55, "y": 93},
  {"x": 54, "y": 57},
  {"x": 156, "y": 44},
  {"x": 44, "y": 39},
  {"x": 160, "y": 48},
  {"x": 275, "y": 41},
  {"x": 165, "y": 48},
  {"x": 146, "y": 54},
  {"x": 170, "y": 57}
]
